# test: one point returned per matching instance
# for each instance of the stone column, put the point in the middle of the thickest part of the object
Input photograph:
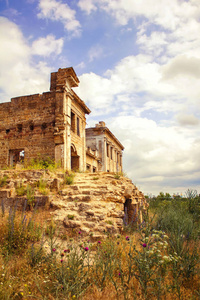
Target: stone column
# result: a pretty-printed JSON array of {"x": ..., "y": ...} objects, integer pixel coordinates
[
  {"x": 105, "y": 156},
  {"x": 67, "y": 130}
]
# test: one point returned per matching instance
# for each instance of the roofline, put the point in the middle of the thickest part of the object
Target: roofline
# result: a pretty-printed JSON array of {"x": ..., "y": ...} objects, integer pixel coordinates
[
  {"x": 108, "y": 130},
  {"x": 82, "y": 103}
]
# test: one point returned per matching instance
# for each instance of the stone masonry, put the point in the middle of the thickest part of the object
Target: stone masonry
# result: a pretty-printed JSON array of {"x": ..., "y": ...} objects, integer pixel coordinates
[{"x": 52, "y": 125}]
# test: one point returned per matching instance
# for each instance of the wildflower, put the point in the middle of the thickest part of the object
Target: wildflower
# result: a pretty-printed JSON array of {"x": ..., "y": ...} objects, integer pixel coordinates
[
  {"x": 53, "y": 249},
  {"x": 144, "y": 245},
  {"x": 74, "y": 296},
  {"x": 99, "y": 242},
  {"x": 86, "y": 248},
  {"x": 127, "y": 238},
  {"x": 67, "y": 250},
  {"x": 62, "y": 254},
  {"x": 119, "y": 274},
  {"x": 79, "y": 232},
  {"x": 61, "y": 260}
]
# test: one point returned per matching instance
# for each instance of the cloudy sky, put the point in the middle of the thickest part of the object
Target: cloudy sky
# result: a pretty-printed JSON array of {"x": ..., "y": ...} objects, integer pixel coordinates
[{"x": 138, "y": 62}]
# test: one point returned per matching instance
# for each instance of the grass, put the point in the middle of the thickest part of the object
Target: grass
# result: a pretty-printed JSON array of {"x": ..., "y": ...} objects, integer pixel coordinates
[
  {"x": 156, "y": 259},
  {"x": 3, "y": 181},
  {"x": 69, "y": 178},
  {"x": 143, "y": 264}
]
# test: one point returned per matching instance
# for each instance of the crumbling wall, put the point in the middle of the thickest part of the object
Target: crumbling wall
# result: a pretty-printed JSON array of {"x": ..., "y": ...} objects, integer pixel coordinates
[{"x": 27, "y": 124}]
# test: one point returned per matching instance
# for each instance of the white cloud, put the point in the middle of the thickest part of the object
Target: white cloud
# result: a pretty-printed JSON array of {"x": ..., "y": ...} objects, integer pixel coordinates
[
  {"x": 95, "y": 52},
  {"x": 58, "y": 11},
  {"x": 47, "y": 46},
  {"x": 156, "y": 156},
  {"x": 87, "y": 5},
  {"x": 187, "y": 119},
  {"x": 182, "y": 66},
  {"x": 18, "y": 76}
]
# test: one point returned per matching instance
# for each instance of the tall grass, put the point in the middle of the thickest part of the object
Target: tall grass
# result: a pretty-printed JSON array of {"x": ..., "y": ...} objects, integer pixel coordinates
[{"x": 156, "y": 260}]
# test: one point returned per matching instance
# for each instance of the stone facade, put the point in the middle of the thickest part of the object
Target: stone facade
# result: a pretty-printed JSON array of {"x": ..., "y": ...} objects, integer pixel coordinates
[
  {"x": 106, "y": 147},
  {"x": 52, "y": 125}
]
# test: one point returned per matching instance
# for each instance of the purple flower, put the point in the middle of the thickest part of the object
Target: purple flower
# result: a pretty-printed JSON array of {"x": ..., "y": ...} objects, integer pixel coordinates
[
  {"x": 144, "y": 245},
  {"x": 86, "y": 248},
  {"x": 67, "y": 250},
  {"x": 61, "y": 260},
  {"x": 127, "y": 238},
  {"x": 119, "y": 274},
  {"x": 53, "y": 249},
  {"x": 99, "y": 242},
  {"x": 79, "y": 232}
]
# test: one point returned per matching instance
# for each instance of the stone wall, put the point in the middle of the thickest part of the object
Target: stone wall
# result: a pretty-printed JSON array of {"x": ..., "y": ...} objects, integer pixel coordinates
[
  {"x": 109, "y": 149},
  {"x": 27, "y": 123}
]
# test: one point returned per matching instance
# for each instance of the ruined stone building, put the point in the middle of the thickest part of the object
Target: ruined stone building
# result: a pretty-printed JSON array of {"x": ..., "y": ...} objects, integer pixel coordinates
[
  {"x": 53, "y": 125},
  {"x": 105, "y": 145}
]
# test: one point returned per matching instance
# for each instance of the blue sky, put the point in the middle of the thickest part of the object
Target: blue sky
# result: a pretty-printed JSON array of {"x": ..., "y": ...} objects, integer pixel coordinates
[{"x": 139, "y": 68}]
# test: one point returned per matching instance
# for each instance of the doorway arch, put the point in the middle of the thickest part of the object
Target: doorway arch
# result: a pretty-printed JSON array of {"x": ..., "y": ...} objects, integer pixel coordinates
[
  {"x": 74, "y": 158},
  {"x": 130, "y": 212}
]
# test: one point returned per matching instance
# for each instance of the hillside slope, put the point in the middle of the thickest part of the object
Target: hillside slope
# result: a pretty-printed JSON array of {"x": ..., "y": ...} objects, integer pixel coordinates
[{"x": 94, "y": 204}]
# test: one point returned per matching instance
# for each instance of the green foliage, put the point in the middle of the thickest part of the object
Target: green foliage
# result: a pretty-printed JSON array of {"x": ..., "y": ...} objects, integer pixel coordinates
[
  {"x": 117, "y": 176},
  {"x": 105, "y": 262},
  {"x": 27, "y": 191},
  {"x": 95, "y": 178},
  {"x": 21, "y": 190},
  {"x": 41, "y": 163},
  {"x": 42, "y": 187},
  {"x": 3, "y": 181},
  {"x": 20, "y": 232},
  {"x": 159, "y": 261},
  {"x": 69, "y": 178},
  {"x": 30, "y": 193},
  {"x": 70, "y": 217},
  {"x": 72, "y": 272}
]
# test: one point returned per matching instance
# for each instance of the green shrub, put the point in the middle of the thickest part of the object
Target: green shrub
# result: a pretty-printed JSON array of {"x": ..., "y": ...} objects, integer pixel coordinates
[
  {"x": 69, "y": 178},
  {"x": 21, "y": 190},
  {"x": 20, "y": 231},
  {"x": 117, "y": 176},
  {"x": 70, "y": 217},
  {"x": 3, "y": 181},
  {"x": 42, "y": 186}
]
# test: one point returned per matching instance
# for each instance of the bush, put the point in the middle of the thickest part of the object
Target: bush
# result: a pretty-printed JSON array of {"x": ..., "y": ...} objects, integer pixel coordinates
[
  {"x": 3, "y": 181},
  {"x": 69, "y": 178},
  {"x": 20, "y": 231}
]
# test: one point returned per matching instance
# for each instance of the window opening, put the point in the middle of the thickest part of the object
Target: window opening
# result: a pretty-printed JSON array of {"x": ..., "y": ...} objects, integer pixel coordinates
[
  {"x": 31, "y": 126},
  {"x": 107, "y": 149},
  {"x": 16, "y": 156},
  {"x": 78, "y": 127},
  {"x": 72, "y": 121},
  {"x": 44, "y": 126},
  {"x": 19, "y": 127}
]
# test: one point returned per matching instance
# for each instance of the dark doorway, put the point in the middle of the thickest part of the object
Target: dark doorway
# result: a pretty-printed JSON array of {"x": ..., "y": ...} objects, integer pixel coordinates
[
  {"x": 129, "y": 212},
  {"x": 16, "y": 156},
  {"x": 74, "y": 159}
]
